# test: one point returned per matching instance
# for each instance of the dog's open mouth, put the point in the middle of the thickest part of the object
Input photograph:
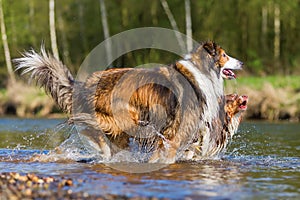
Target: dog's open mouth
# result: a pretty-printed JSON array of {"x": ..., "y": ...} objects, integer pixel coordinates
[
  {"x": 228, "y": 74},
  {"x": 229, "y": 66},
  {"x": 243, "y": 105}
]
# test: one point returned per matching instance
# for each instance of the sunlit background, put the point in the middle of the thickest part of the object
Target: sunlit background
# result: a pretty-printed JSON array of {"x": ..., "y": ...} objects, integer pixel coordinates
[{"x": 263, "y": 34}]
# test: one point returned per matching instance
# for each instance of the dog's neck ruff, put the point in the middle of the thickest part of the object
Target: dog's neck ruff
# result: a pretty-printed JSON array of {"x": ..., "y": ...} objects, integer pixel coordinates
[{"x": 212, "y": 88}]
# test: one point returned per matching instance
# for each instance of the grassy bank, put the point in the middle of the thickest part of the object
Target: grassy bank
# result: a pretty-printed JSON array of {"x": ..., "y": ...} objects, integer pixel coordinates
[
  {"x": 23, "y": 100},
  {"x": 270, "y": 98},
  {"x": 254, "y": 82}
]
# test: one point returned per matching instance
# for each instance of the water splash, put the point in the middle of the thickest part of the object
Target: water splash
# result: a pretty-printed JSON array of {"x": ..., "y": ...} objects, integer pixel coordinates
[
  {"x": 250, "y": 169},
  {"x": 231, "y": 87}
]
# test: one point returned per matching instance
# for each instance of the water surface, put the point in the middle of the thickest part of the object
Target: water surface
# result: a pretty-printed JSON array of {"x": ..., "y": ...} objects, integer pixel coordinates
[{"x": 262, "y": 162}]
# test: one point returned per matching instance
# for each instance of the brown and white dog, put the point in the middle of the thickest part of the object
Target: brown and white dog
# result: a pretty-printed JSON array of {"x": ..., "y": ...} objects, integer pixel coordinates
[
  {"x": 163, "y": 107},
  {"x": 235, "y": 107}
]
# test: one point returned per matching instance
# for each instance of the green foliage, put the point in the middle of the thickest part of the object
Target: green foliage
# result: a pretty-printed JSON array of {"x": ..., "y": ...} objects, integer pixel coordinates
[
  {"x": 238, "y": 26},
  {"x": 255, "y": 62},
  {"x": 256, "y": 82}
]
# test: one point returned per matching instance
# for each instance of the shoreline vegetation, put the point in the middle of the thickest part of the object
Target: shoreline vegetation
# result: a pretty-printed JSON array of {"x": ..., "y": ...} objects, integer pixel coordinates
[{"x": 271, "y": 98}]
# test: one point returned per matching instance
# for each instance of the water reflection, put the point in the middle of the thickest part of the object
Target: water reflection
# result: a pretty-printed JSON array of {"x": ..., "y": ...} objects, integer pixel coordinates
[
  {"x": 31, "y": 133},
  {"x": 204, "y": 178},
  {"x": 181, "y": 180},
  {"x": 262, "y": 162}
]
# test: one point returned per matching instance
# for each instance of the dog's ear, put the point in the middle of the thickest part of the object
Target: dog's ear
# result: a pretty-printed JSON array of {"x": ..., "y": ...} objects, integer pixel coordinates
[
  {"x": 211, "y": 48},
  {"x": 231, "y": 97}
]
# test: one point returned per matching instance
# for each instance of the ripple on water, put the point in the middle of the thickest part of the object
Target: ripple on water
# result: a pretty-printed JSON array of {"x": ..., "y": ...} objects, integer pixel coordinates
[{"x": 262, "y": 162}]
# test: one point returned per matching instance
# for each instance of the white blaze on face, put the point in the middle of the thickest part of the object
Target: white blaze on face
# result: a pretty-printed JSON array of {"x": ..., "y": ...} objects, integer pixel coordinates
[{"x": 233, "y": 63}]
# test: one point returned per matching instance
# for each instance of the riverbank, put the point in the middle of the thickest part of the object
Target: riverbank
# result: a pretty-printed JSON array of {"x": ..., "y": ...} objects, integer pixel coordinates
[
  {"x": 270, "y": 98},
  {"x": 30, "y": 186},
  {"x": 23, "y": 100}
]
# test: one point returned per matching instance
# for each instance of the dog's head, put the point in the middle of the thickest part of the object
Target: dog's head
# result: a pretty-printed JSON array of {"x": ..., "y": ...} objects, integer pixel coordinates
[
  {"x": 235, "y": 104},
  {"x": 222, "y": 61},
  {"x": 234, "y": 107}
]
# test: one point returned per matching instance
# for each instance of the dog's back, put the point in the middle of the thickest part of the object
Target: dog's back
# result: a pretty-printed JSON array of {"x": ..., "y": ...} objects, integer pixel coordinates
[{"x": 178, "y": 101}]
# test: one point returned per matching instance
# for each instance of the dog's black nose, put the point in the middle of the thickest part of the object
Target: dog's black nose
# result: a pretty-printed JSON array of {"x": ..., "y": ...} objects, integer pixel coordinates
[{"x": 241, "y": 63}]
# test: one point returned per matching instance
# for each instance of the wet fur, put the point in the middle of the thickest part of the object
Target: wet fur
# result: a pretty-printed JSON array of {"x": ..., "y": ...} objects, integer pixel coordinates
[
  {"x": 173, "y": 111},
  {"x": 233, "y": 118}
]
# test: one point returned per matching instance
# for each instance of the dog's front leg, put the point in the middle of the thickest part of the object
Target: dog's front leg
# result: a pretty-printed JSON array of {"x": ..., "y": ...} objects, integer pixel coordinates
[
  {"x": 166, "y": 152},
  {"x": 103, "y": 144}
]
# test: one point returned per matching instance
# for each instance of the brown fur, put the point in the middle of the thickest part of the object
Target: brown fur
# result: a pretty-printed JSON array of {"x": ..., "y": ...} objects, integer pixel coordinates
[
  {"x": 233, "y": 106},
  {"x": 164, "y": 106},
  {"x": 233, "y": 117}
]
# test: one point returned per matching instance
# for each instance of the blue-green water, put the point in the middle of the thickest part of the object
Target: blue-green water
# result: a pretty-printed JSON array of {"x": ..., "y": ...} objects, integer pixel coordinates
[{"x": 262, "y": 162}]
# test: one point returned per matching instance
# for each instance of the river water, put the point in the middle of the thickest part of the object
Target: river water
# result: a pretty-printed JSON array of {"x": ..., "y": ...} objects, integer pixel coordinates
[{"x": 262, "y": 162}]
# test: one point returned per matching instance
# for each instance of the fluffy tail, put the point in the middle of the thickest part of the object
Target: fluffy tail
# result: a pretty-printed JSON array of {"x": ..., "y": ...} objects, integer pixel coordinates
[{"x": 49, "y": 73}]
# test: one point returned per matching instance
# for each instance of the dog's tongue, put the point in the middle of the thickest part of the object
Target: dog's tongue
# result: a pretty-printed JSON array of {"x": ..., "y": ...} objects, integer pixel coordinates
[
  {"x": 229, "y": 73},
  {"x": 243, "y": 107},
  {"x": 244, "y": 103}
]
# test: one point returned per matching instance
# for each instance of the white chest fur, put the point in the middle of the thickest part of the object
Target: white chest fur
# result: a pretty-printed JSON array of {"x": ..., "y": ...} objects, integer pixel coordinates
[{"x": 212, "y": 88}]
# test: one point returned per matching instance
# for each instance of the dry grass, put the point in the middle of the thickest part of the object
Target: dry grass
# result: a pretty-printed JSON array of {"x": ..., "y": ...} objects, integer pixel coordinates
[
  {"x": 270, "y": 103},
  {"x": 28, "y": 101}
]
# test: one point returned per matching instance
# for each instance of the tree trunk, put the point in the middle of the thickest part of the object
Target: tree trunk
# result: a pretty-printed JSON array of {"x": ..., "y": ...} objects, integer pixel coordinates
[
  {"x": 33, "y": 39},
  {"x": 188, "y": 21},
  {"x": 82, "y": 27},
  {"x": 264, "y": 28},
  {"x": 53, "y": 29},
  {"x": 276, "y": 32},
  {"x": 64, "y": 41},
  {"x": 167, "y": 10},
  {"x": 106, "y": 31},
  {"x": 5, "y": 46}
]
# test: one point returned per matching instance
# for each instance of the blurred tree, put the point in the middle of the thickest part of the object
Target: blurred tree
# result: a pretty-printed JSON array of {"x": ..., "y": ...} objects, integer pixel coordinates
[
  {"x": 5, "y": 45},
  {"x": 277, "y": 32},
  {"x": 53, "y": 28},
  {"x": 173, "y": 23},
  {"x": 64, "y": 42},
  {"x": 264, "y": 34},
  {"x": 106, "y": 31},
  {"x": 188, "y": 22}
]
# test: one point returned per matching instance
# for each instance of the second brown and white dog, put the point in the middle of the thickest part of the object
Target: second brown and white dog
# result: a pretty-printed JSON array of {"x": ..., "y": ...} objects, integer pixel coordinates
[
  {"x": 235, "y": 108},
  {"x": 163, "y": 107}
]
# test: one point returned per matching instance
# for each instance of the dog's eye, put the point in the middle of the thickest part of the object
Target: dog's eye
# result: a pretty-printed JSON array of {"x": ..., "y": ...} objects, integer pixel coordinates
[{"x": 224, "y": 55}]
